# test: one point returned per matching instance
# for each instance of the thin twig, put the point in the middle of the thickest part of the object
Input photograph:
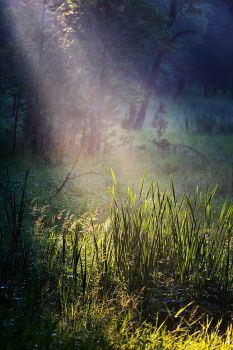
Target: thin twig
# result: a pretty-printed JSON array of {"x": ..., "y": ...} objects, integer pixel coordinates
[
  {"x": 82, "y": 174},
  {"x": 59, "y": 189}
]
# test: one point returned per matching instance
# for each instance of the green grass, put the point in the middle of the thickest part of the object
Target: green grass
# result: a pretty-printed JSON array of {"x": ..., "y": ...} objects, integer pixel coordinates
[
  {"x": 115, "y": 263},
  {"x": 157, "y": 273}
]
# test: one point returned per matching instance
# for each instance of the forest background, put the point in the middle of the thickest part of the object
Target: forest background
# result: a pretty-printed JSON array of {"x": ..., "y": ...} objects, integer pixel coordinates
[{"x": 104, "y": 259}]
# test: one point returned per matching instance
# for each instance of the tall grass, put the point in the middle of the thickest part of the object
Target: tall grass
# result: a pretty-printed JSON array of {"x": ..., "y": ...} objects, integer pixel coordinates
[
  {"x": 150, "y": 338},
  {"x": 163, "y": 250},
  {"x": 15, "y": 249},
  {"x": 123, "y": 283},
  {"x": 183, "y": 239}
]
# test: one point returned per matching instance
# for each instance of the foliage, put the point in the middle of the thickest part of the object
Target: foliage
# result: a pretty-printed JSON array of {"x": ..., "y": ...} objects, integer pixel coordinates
[
  {"x": 147, "y": 267},
  {"x": 96, "y": 282},
  {"x": 205, "y": 124},
  {"x": 160, "y": 124},
  {"x": 95, "y": 56},
  {"x": 14, "y": 245}
]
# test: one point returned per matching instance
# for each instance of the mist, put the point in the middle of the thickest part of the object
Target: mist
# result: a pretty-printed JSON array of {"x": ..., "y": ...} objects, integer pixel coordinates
[{"x": 116, "y": 171}]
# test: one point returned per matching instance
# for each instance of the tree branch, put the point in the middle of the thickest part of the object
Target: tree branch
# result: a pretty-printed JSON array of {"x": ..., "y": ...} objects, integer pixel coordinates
[
  {"x": 59, "y": 189},
  {"x": 179, "y": 34}
]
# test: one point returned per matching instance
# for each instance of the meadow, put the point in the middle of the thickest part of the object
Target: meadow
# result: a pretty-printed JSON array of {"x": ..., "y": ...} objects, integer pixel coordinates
[{"x": 122, "y": 257}]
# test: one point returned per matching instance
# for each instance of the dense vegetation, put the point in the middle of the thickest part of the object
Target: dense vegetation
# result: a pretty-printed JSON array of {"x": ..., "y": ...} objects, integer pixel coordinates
[{"x": 95, "y": 251}]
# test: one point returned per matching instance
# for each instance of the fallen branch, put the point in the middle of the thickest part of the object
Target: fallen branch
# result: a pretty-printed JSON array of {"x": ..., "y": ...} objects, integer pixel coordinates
[
  {"x": 59, "y": 189},
  {"x": 82, "y": 174},
  {"x": 180, "y": 147}
]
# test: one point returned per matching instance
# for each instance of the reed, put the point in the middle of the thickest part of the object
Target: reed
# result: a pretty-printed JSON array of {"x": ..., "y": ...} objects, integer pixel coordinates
[
  {"x": 15, "y": 247},
  {"x": 109, "y": 284}
]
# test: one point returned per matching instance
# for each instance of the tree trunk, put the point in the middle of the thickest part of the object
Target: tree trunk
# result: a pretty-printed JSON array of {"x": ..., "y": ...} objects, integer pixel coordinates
[
  {"x": 156, "y": 65},
  {"x": 37, "y": 124},
  {"x": 94, "y": 141},
  {"x": 93, "y": 135},
  {"x": 205, "y": 90},
  {"x": 150, "y": 81},
  {"x": 148, "y": 90},
  {"x": 173, "y": 12},
  {"x": 15, "y": 115},
  {"x": 180, "y": 88}
]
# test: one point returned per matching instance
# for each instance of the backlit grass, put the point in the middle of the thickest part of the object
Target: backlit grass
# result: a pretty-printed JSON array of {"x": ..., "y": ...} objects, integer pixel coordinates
[{"x": 156, "y": 273}]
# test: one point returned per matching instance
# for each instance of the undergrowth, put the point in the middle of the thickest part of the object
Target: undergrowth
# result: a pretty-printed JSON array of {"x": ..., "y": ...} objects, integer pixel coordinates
[{"x": 156, "y": 274}]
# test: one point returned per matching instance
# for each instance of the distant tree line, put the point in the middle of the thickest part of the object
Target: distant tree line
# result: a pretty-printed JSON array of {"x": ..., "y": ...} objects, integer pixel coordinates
[{"x": 73, "y": 68}]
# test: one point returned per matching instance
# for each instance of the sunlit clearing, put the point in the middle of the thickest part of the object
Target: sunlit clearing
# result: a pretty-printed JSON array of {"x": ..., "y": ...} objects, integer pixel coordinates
[
  {"x": 89, "y": 97},
  {"x": 116, "y": 174}
]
